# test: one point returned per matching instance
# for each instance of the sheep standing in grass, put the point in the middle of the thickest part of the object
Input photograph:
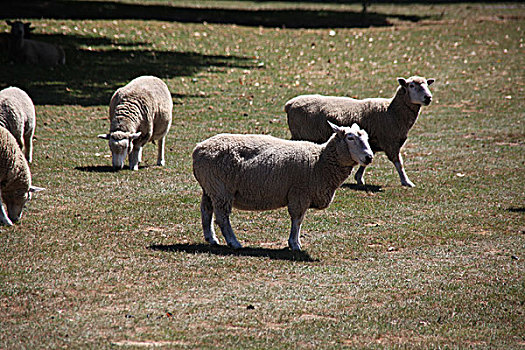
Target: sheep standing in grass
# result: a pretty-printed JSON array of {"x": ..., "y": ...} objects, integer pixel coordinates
[
  {"x": 260, "y": 172},
  {"x": 15, "y": 179},
  {"x": 17, "y": 114},
  {"x": 24, "y": 50},
  {"x": 387, "y": 121},
  {"x": 139, "y": 112}
]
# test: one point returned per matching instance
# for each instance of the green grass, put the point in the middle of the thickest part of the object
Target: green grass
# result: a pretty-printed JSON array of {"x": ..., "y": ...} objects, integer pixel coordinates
[{"x": 103, "y": 259}]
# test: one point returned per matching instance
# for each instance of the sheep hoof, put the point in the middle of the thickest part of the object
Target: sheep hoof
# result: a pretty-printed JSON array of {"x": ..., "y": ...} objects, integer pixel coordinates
[
  {"x": 296, "y": 247},
  {"x": 6, "y": 221},
  {"x": 408, "y": 183},
  {"x": 234, "y": 245},
  {"x": 212, "y": 241}
]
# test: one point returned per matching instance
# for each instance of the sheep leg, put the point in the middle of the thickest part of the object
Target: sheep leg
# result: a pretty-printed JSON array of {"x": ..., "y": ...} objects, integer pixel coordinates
[
  {"x": 222, "y": 210},
  {"x": 135, "y": 157},
  {"x": 160, "y": 152},
  {"x": 28, "y": 147},
  {"x": 359, "y": 175},
  {"x": 297, "y": 216},
  {"x": 4, "y": 219},
  {"x": 206, "y": 218},
  {"x": 398, "y": 163}
]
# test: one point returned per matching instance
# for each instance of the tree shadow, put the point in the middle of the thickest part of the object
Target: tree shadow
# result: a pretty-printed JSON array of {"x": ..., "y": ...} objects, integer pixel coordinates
[
  {"x": 289, "y": 18},
  {"x": 90, "y": 76},
  {"x": 197, "y": 248},
  {"x": 365, "y": 188}
]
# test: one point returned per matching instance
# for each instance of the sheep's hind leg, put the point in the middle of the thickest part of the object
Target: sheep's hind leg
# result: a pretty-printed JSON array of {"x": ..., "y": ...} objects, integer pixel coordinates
[
  {"x": 28, "y": 147},
  {"x": 222, "y": 212},
  {"x": 160, "y": 152},
  {"x": 359, "y": 175},
  {"x": 206, "y": 218}
]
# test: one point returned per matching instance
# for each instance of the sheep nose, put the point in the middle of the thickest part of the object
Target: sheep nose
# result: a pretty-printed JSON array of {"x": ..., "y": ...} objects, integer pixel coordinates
[
  {"x": 368, "y": 159},
  {"x": 428, "y": 99}
]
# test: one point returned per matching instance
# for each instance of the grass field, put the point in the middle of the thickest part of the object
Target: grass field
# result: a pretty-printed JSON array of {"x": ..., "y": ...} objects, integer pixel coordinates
[{"x": 106, "y": 259}]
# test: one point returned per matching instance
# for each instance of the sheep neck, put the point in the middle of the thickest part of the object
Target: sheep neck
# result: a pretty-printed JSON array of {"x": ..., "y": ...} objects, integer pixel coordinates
[
  {"x": 405, "y": 111},
  {"x": 332, "y": 171}
]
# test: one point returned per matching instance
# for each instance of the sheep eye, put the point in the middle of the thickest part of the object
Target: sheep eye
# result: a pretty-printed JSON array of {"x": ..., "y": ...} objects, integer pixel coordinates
[{"x": 412, "y": 85}]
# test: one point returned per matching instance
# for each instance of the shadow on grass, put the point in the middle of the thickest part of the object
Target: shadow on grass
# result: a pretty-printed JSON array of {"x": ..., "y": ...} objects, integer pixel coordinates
[
  {"x": 96, "y": 67},
  {"x": 105, "y": 168},
  {"x": 274, "y": 254},
  {"x": 516, "y": 209},
  {"x": 365, "y": 188},
  {"x": 289, "y": 18}
]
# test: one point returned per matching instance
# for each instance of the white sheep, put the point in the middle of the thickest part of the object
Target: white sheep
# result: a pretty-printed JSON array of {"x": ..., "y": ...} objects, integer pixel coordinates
[
  {"x": 15, "y": 179},
  {"x": 139, "y": 112},
  {"x": 387, "y": 121},
  {"x": 261, "y": 172},
  {"x": 17, "y": 114},
  {"x": 24, "y": 50}
]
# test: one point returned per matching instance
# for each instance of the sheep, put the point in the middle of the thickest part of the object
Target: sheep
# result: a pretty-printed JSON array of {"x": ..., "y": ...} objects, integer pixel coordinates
[
  {"x": 29, "y": 51},
  {"x": 261, "y": 172},
  {"x": 387, "y": 121},
  {"x": 139, "y": 112},
  {"x": 17, "y": 114},
  {"x": 15, "y": 179}
]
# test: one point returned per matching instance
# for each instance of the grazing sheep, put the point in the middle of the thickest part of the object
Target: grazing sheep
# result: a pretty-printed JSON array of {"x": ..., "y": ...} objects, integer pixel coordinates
[
  {"x": 24, "y": 50},
  {"x": 261, "y": 172},
  {"x": 15, "y": 179},
  {"x": 139, "y": 112},
  {"x": 17, "y": 114},
  {"x": 387, "y": 121}
]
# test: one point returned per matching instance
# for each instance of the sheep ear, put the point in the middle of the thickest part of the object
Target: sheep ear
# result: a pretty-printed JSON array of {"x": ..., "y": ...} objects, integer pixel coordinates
[
  {"x": 430, "y": 81},
  {"x": 402, "y": 82},
  {"x": 34, "y": 189},
  {"x": 103, "y": 136},
  {"x": 134, "y": 136},
  {"x": 355, "y": 128},
  {"x": 338, "y": 130},
  {"x": 9, "y": 22}
]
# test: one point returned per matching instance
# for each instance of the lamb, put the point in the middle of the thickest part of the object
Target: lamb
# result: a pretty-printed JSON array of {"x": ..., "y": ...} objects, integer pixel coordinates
[
  {"x": 17, "y": 114},
  {"x": 261, "y": 172},
  {"x": 29, "y": 51},
  {"x": 15, "y": 179},
  {"x": 139, "y": 112},
  {"x": 387, "y": 121}
]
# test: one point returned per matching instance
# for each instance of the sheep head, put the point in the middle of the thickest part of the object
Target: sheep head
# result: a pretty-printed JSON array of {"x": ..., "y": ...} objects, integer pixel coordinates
[
  {"x": 16, "y": 200},
  {"x": 353, "y": 145},
  {"x": 417, "y": 89},
  {"x": 120, "y": 144}
]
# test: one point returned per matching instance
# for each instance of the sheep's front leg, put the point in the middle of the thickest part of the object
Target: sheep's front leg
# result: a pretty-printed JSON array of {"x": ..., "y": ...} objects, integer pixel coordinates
[
  {"x": 222, "y": 210},
  {"x": 160, "y": 152},
  {"x": 135, "y": 157},
  {"x": 297, "y": 216},
  {"x": 206, "y": 218},
  {"x": 28, "y": 147},
  {"x": 398, "y": 163},
  {"x": 4, "y": 219},
  {"x": 359, "y": 175}
]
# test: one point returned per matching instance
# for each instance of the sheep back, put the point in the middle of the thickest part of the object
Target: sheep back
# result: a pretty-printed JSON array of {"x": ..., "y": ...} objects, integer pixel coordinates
[
  {"x": 17, "y": 113},
  {"x": 144, "y": 105},
  {"x": 259, "y": 171},
  {"x": 307, "y": 115}
]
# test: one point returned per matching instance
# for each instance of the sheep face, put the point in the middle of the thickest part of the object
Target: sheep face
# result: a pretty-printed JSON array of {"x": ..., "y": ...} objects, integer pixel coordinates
[
  {"x": 18, "y": 28},
  {"x": 355, "y": 144},
  {"x": 121, "y": 145},
  {"x": 417, "y": 89},
  {"x": 16, "y": 200}
]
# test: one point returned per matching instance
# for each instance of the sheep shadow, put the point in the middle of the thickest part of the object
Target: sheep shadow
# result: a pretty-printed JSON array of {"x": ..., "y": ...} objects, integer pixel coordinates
[
  {"x": 106, "y": 168},
  {"x": 273, "y": 17},
  {"x": 199, "y": 248},
  {"x": 516, "y": 209},
  {"x": 363, "y": 188}
]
